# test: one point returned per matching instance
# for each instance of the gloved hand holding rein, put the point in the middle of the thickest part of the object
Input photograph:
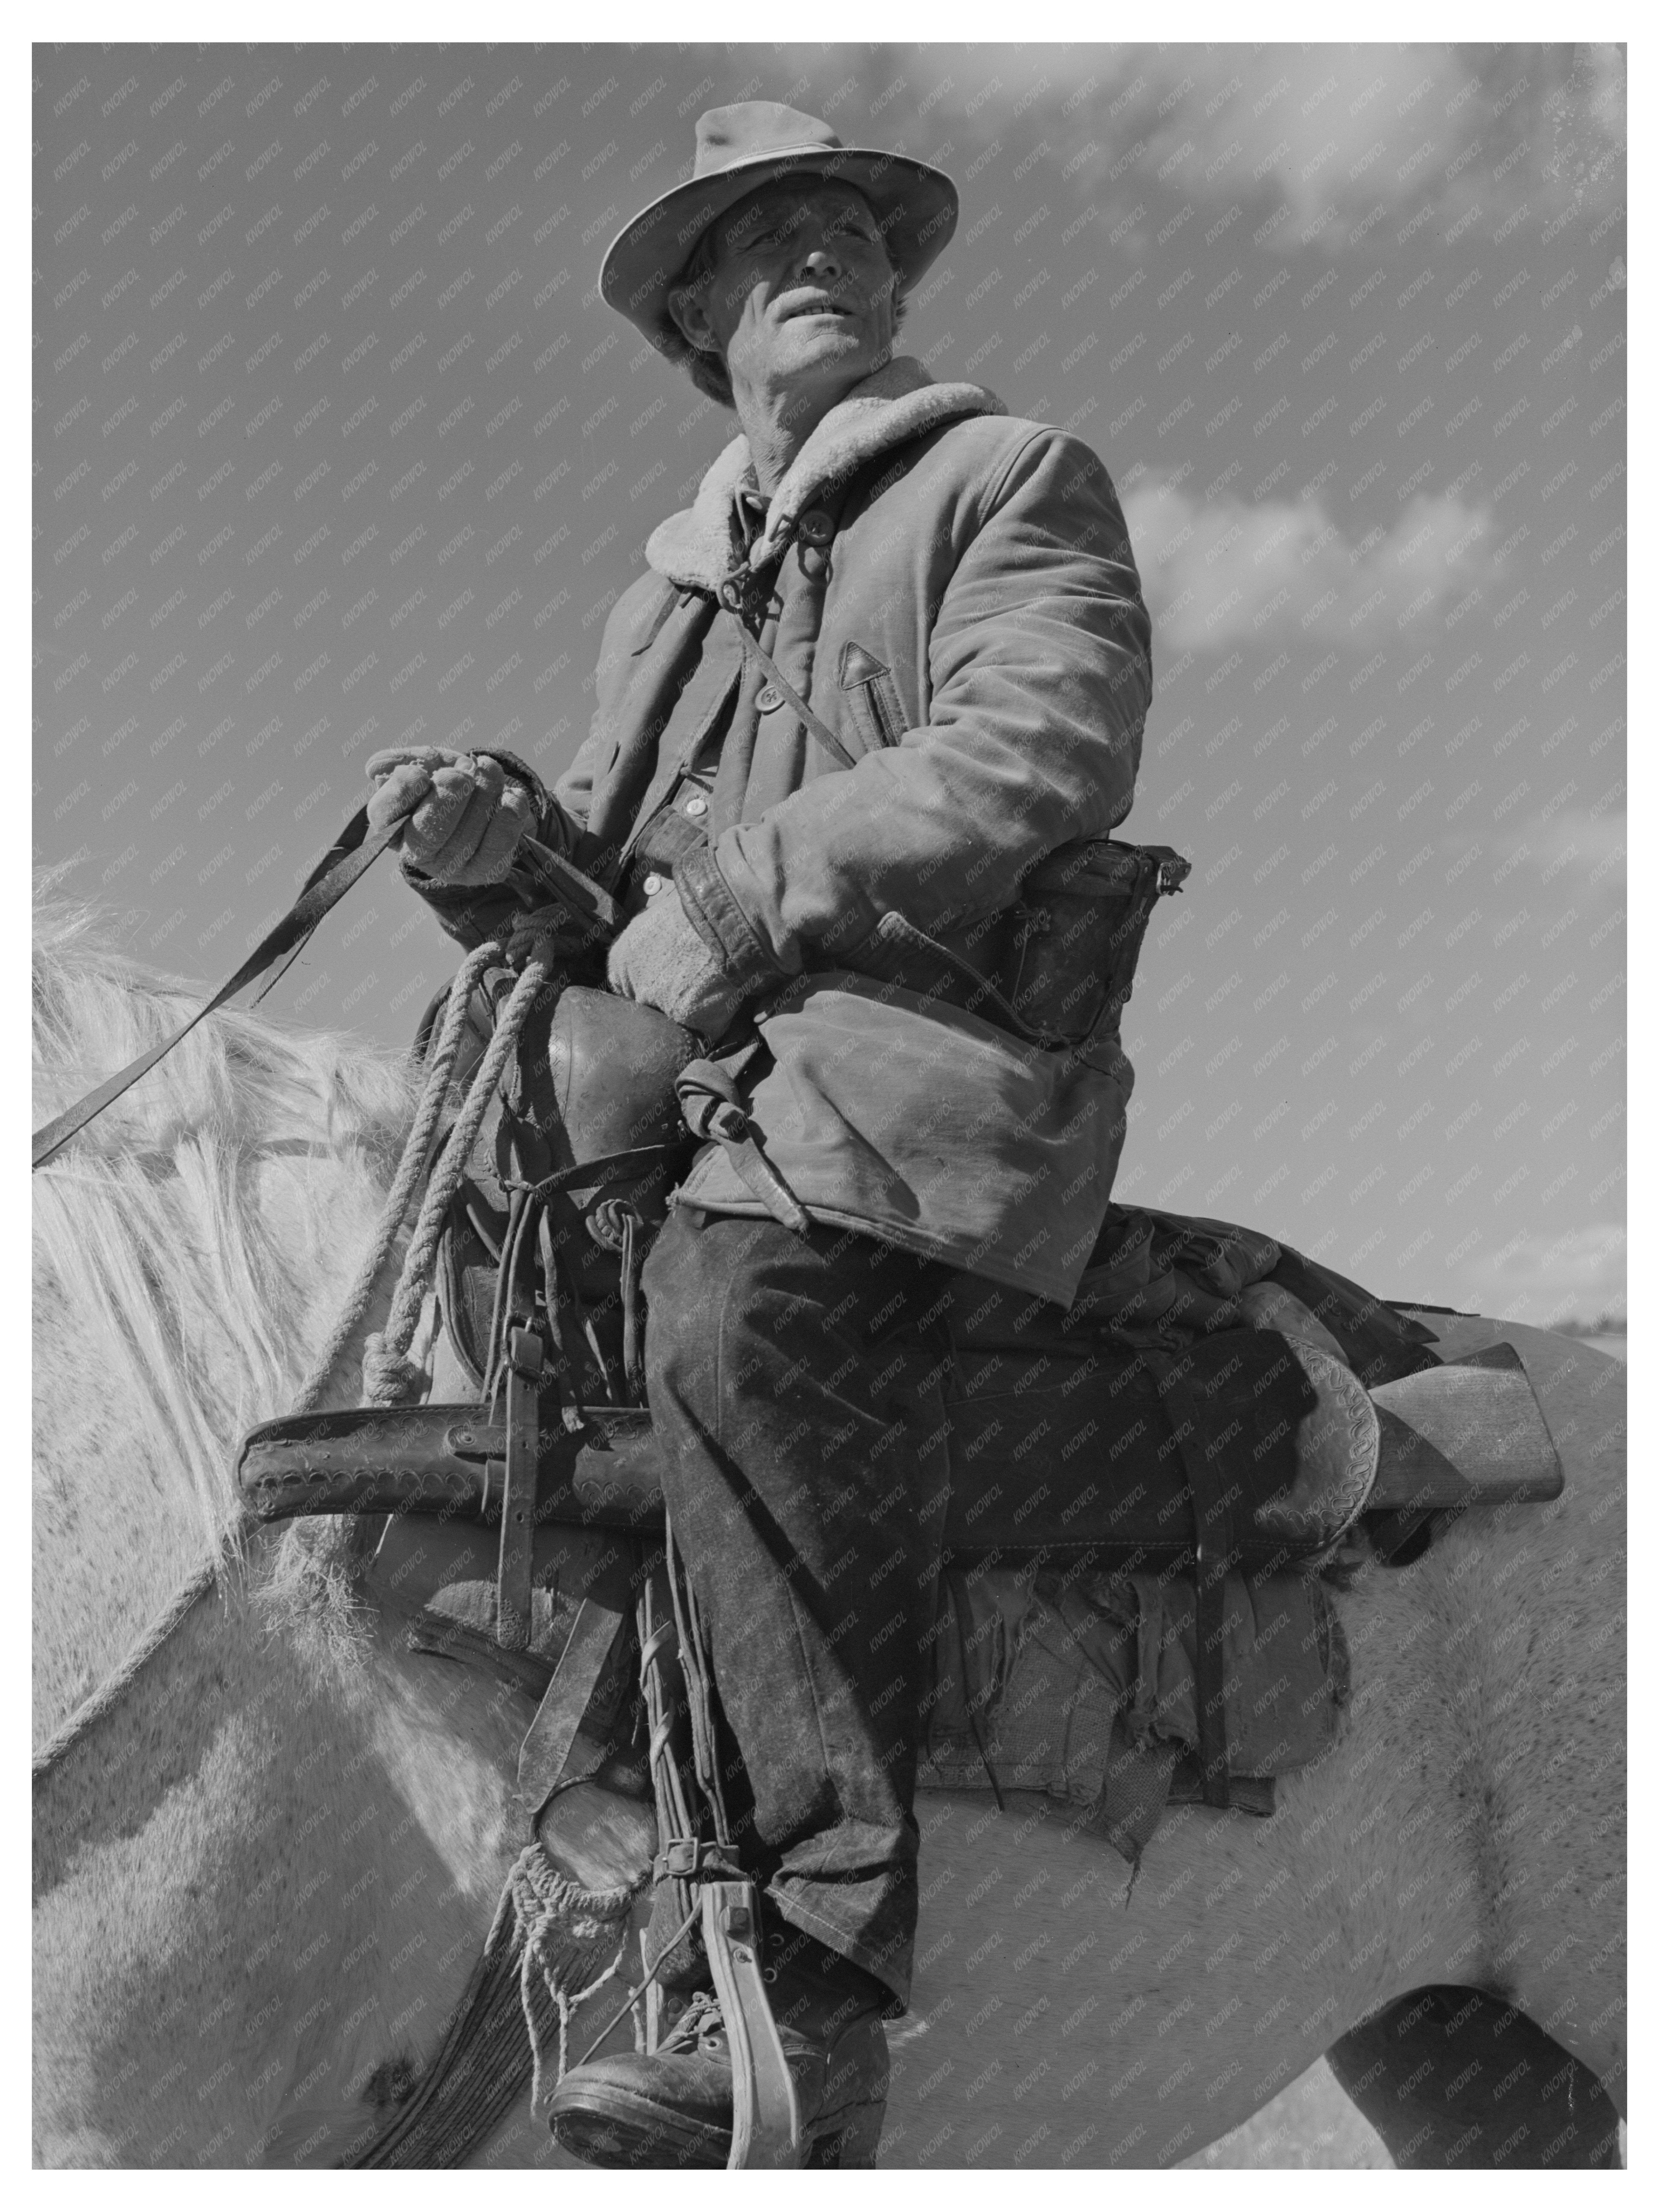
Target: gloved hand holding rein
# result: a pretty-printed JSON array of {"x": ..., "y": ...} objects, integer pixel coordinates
[{"x": 464, "y": 813}]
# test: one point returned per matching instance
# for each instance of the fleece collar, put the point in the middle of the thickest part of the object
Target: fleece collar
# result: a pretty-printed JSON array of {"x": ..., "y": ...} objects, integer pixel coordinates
[{"x": 702, "y": 544}]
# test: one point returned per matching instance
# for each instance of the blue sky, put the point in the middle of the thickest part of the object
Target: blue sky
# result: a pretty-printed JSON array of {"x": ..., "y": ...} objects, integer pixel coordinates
[{"x": 335, "y": 445}]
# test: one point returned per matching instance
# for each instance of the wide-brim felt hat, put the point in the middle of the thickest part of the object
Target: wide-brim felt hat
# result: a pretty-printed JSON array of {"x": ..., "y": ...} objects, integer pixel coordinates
[{"x": 740, "y": 148}]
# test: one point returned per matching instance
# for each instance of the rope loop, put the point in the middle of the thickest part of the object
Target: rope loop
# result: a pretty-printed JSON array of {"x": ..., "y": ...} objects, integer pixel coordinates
[
  {"x": 389, "y": 1379},
  {"x": 417, "y": 1156},
  {"x": 448, "y": 1171}
]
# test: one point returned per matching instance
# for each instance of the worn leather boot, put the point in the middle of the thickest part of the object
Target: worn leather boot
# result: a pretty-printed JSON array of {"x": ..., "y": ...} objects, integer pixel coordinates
[{"x": 672, "y": 2107}]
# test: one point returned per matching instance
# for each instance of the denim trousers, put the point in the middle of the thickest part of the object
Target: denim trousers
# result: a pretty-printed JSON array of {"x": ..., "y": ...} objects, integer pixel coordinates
[{"x": 797, "y": 1389}]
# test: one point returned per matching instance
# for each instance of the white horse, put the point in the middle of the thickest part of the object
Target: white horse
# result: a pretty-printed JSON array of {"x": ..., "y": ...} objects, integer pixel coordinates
[{"x": 263, "y": 1874}]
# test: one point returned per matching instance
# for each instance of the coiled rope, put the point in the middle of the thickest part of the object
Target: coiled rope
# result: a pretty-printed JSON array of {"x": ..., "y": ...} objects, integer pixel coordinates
[
  {"x": 417, "y": 1155},
  {"x": 390, "y": 1376}
]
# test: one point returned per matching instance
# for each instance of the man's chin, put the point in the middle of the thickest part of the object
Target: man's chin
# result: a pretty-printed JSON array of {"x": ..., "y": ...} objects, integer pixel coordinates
[{"x": 822, "y": 342}]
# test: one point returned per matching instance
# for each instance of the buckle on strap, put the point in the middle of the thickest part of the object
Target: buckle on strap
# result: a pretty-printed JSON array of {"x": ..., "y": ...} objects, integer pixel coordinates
[
  {"x": 713, "y": 1112},
  {"x": 688, "y": 1858}
]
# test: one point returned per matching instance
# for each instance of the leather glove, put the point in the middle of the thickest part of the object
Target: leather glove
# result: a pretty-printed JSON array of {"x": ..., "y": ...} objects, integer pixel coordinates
[
  {"x": 464, "y": 814},
  {"x": 660, "y": 961}
]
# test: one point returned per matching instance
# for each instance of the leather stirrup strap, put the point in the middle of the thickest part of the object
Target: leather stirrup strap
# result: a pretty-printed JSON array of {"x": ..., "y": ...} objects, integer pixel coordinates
[
  {"x": 514, "y": 1567},
  {"x": 561, "y": 1227},
  {"x": 1212, "y": 1520},
  {"x": 633, "y": 1231},
  {"x": 765, "y": 2113},
  {"x": 353, "y": 851},
  {"x": 557, "y": 1750},
  {"x": 658, "y": 1646}
]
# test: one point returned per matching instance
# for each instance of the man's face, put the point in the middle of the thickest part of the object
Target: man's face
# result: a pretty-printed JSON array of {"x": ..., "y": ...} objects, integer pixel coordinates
[{"x": 800, "y": 294}]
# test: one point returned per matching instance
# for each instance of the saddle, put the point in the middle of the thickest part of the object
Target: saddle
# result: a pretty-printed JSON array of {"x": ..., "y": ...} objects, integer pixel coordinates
[
  {"x": 1214, "y": 1417},
  {"x": 1142, "y": 1487},
  {"x": 1213, "y": 1403}
]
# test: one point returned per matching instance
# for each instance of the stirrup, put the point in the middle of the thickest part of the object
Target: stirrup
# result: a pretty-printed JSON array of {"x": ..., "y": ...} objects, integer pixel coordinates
[
  {"x": 765, "y": 2110},
  {"x": 766, "y": 2125}
]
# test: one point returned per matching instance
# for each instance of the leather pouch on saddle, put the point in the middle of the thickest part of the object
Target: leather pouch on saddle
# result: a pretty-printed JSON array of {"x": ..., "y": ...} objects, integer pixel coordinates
[{"x": 1084, "y": 1686}]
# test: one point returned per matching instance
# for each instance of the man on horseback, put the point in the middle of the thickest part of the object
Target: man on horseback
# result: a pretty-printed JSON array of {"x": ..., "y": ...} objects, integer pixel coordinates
[{"x": 891, "y": 658}]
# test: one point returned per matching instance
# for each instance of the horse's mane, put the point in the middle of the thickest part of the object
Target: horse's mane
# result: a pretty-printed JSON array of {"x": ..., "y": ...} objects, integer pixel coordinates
[{"x": 184, "y": 1241}]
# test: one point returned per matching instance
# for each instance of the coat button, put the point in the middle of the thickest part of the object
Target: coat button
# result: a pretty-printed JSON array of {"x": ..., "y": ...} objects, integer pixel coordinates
[
  {"x": 652, "y": 885},
  {"x": 769, "y": 698},
  {"x": 815, "y": 527},
  {"x": 696, "y": 805}
]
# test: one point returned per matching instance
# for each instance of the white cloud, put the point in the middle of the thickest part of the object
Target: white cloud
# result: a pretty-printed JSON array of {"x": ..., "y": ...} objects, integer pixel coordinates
[
  {"x": 1217, "y": 571},
  {"x": 1337, "y": 137},
  {"x": 1590, "y": 849},
  {"x": 1580, "y": 1273}
]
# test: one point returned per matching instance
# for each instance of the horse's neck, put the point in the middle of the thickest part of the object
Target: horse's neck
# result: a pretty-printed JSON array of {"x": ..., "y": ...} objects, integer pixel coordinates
[
  {"x": 260, "y": 1882},
  {"x": 173, "y": 1308},
  {"x": 267, "y": 1870}
]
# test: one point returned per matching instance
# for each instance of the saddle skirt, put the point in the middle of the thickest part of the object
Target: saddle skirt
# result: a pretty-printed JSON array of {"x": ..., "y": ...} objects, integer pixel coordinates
[{"x": 1079, "y": 1684}]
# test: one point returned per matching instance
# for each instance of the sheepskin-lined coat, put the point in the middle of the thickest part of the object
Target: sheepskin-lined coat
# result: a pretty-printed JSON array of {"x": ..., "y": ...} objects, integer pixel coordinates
[{"x": 952, "y": 592}]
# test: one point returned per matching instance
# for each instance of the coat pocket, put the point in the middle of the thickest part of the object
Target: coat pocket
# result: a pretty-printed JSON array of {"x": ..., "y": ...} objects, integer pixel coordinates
[
  {"x": 872, "y": 697},
  {"x": 1081, "y": 918}
]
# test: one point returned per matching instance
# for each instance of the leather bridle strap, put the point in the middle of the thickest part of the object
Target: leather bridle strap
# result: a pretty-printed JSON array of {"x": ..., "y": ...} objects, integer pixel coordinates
[
  {"x": 355, "y": 850},
  {"x": 1212, "y": 1520}
]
